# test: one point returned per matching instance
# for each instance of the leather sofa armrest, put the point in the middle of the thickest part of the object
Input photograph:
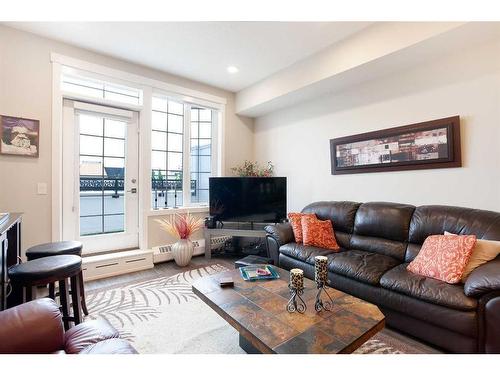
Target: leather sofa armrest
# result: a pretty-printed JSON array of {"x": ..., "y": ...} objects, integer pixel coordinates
[
  {"x": 282, "y": 233},
  {"x": 34, "y": 327},
  {"x": 484, "y": 279},
  {"x": 278, "y": 235}
]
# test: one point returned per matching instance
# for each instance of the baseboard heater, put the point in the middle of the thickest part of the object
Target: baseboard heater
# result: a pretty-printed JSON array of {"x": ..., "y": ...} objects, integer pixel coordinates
[
  {"x": 113, "y": 264},
  {"x": 163, "y": 253}
]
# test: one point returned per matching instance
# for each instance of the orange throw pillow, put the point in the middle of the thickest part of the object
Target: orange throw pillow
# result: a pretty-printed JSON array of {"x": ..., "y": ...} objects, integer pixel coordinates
[
  {"x": 483, "y": 252},
  {"x": 318, "y": 233},
  {"x": 297, "y": 224},
  {"x": 443, "y": 257}
]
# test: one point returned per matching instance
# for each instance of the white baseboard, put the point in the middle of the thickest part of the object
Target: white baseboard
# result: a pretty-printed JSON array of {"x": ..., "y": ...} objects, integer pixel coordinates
[
  {"x": 164, "y": 253},
  {"x": 107, "y": 265}
]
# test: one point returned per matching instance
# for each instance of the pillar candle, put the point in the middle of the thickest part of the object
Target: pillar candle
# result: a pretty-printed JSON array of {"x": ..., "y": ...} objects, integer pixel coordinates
[
  {"x": 320, "y": 270},
  {"x": 297, "y": 278}
]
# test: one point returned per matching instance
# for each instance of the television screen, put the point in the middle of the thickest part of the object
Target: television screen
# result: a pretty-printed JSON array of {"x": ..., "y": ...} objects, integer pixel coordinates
[{"x": 248, "y": 199}]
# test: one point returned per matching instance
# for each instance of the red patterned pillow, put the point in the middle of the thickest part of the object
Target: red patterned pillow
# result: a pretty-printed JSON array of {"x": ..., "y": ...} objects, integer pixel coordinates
[
  {"x": 297, "y": 224},
  {"x": 318, "y": 233},
  {"x": 443, "y": 257}
]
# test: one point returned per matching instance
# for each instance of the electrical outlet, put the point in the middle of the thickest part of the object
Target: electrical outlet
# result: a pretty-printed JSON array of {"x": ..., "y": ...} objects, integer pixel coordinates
[{"x": 41, "y": 188}]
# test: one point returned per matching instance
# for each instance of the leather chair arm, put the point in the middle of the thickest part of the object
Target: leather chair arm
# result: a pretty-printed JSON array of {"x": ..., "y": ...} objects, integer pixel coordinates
[
  {"x": 32, "y": 328},
  {"x": 483, "y": 279},
  {"x": 110, "y": 346},
  {"x": 278, "y": 235},
  {"x": 88, "y": 333}
]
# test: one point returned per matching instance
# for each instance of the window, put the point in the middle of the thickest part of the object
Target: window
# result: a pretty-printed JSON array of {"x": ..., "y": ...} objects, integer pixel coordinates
[
  {"x": 201, "y": 152},
  {"x": 94, "y": 88},
  {"x": 178, "y": 129}
]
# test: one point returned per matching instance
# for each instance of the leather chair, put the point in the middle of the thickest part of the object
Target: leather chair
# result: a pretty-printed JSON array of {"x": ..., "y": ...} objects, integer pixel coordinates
[
  {"x": 36, "y": 327},
  {"x": 377, "y": 241}
]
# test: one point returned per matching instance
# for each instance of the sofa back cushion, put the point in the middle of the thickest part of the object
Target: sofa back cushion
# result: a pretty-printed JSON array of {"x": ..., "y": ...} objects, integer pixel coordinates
[
  {"x": 430, "y": 220},
  {"x": 340, "y": 213},
  {"x": 382, "y": 227}
]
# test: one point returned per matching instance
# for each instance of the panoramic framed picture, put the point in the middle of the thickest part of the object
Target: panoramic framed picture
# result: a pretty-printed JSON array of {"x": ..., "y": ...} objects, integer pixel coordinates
[
  {"x": 19, "y": 136},
  {"x": 430, "y": 144}
]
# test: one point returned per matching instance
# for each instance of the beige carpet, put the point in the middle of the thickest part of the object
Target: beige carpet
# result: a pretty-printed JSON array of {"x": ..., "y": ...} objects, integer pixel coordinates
[{"x": 162, "y": 315}]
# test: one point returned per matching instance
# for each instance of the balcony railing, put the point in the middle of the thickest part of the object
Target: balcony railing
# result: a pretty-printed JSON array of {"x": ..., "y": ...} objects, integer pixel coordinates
[{"x": 159, "y": 187}]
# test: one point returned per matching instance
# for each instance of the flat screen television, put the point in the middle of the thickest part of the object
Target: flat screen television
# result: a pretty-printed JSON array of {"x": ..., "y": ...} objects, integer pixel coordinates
[{"x": 248, "y": 199}]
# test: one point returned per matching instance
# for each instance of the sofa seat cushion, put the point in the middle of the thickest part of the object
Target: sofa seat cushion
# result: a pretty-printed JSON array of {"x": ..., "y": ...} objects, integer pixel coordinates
[
  {"x": 400, "y": 280},
  {"x": 305, "y": 253},
  {"x": 362, "y": 265}
]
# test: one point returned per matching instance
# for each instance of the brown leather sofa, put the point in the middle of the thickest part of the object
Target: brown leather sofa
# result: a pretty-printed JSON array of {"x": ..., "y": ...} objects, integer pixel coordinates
[
  {"x": 377, "y": 241},
  {"x": 36, "y": 327}
]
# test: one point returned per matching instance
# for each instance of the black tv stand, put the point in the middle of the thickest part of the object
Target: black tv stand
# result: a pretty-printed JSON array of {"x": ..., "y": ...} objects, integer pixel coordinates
[{"x": 237, "y": 229}]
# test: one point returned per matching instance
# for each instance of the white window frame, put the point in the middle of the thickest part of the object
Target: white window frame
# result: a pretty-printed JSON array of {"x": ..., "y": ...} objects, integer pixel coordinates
[
  {"x": 216, "y": 166},
  {"x": 148, "y": 86}
]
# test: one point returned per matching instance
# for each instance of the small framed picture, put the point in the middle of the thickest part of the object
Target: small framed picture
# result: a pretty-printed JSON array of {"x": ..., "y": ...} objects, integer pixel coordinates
[{"x": 19, "y": 136}]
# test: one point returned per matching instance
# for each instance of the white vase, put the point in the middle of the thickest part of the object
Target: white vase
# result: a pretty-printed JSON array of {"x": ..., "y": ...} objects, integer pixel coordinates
[{"x": 182, "y": 251}]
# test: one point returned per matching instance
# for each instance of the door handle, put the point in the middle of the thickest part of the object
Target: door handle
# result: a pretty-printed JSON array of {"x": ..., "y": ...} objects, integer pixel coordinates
[{"x": 133, "y": 191}]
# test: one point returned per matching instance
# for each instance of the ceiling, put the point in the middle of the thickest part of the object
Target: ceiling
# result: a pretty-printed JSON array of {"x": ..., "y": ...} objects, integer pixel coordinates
[{"x": 202, "y": 51}]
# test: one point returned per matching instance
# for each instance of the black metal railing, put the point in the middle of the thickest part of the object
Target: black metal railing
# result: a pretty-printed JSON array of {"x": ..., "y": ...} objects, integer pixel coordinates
[
  {"x": 160, "y": 187},
  {"x": 102, "y": 184}
]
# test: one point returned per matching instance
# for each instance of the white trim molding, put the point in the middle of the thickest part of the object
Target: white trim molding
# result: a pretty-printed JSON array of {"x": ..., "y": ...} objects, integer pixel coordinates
[
  {"x": 60, "y": 64},
  {"x": 57, "y": 108},
  {"x": 185, "y": 93}
]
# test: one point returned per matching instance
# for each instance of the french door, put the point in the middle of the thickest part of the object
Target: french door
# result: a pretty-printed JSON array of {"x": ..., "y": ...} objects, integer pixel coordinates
[{"x": 100, "y": 176}]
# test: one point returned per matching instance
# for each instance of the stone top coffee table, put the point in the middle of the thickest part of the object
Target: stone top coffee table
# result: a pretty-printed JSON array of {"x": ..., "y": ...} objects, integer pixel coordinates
[{"x": 257, "y": 309}]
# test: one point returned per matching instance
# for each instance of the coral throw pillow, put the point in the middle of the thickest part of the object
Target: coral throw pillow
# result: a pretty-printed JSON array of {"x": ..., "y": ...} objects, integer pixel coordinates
[
  {"x": 443, "y": 257},
  {"x": 484, "y": 251},
  {"x": 318, "y": 233},
  {"x": 295, "y": 221}
]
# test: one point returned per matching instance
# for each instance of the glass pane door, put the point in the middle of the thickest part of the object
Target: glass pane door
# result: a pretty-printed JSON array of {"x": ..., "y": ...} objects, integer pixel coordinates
[{"x": 102, "y": 174}]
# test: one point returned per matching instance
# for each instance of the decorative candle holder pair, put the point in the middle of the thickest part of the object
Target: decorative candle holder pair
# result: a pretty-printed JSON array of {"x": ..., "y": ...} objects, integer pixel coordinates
[{"x": 296, "y": 286}]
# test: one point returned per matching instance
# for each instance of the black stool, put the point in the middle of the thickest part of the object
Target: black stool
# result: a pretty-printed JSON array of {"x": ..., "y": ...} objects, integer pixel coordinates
[
  {"x": 59, "y": 248},
  {"x": 251, "y": 260},
  {"x": 42, "y": 271}
]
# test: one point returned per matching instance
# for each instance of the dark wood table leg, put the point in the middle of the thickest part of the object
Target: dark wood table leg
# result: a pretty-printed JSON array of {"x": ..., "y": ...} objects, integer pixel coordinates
[
  {"x": 52, "y": 290},
  {"x": 76, "y": 299},
  {"x": 29, "y": 293},
  {"x": 82, "y": 294},
  {"x": 247, "y": 346},
  {"x": 64, "y": 297}
]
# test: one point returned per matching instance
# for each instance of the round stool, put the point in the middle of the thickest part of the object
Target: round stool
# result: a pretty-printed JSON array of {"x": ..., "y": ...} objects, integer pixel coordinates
[
  {"x": 43, "y": 271},
  {"x": 59, "y": 248}
]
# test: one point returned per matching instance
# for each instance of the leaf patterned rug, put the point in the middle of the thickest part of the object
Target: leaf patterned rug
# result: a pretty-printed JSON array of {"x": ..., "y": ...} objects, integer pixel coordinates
[{"x": 162, "y": 315}]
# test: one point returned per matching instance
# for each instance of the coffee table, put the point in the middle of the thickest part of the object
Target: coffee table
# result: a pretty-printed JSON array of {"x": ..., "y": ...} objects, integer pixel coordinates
[{"x": 257, "y": 310}]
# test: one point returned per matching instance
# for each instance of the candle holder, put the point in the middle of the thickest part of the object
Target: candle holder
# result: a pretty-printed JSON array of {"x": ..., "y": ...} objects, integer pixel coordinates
[
  {"x": 321, "y": 277},
  {"x": 321, "y": 304},
  {"x": 296, "y": 287},
  {"x": 296, "y": 303}
]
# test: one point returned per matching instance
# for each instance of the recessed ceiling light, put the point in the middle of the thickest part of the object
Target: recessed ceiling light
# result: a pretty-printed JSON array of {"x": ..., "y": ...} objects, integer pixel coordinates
[{"x": 232, "y": 69}]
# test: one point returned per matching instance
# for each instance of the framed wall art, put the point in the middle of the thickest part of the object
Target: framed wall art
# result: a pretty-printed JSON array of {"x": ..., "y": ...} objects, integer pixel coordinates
[
  {"x": 425, "y": 145},
  {"x": 19, "y": 136}
]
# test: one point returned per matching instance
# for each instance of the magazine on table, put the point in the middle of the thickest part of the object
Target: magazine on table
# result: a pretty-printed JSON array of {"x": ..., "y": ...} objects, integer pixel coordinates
[
  {"x": 259, "y": 272},
  {"x": 3, "y": 217}
]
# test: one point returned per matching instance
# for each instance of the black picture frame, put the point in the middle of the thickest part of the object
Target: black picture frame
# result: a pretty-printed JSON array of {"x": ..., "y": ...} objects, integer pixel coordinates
[{"x": 452, "y": 149}]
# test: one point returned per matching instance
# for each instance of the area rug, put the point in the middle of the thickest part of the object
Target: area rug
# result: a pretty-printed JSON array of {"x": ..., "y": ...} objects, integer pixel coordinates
[{"x": 162, "y": 315}]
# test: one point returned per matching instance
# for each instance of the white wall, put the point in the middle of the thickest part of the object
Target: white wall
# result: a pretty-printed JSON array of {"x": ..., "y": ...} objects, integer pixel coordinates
[
  {"x": 467, "y": 84},
  {"x": 26, "y": 91}
]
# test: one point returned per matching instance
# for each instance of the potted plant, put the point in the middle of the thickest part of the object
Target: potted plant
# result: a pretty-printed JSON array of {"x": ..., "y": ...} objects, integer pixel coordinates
[{"x": 182, "y": 227}]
